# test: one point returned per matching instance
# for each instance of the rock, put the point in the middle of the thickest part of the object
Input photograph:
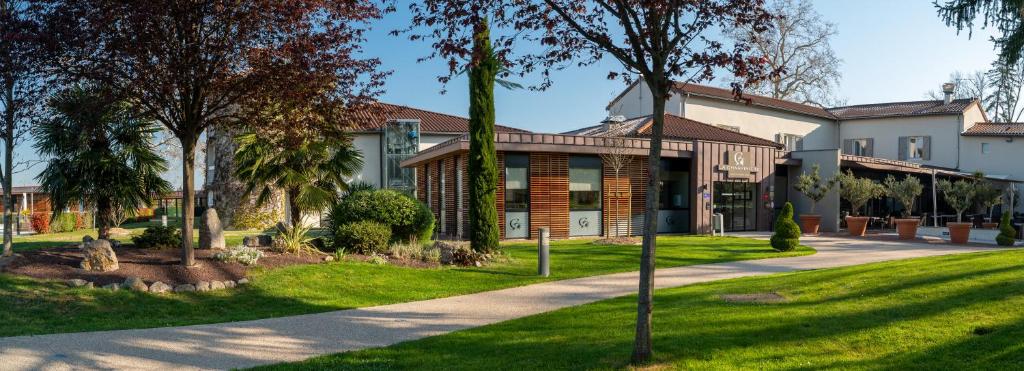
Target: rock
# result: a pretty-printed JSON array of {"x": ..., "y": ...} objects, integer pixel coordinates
[
  {"x": 478, "y": 264},
  {"x": 77, "y": 282},
  {"x": 216, "y": 285},
  {"x": 159, "y": 287},
  {"x": 202, "y": 286},
  {"x": 86, "y": 239},
  {"x": 98, "y": 255},
  {"x": 211, "y": 232},
  {"x": 115, "y": 244},
  {"x": 229, "y": 284},
  {"x": 261, "y": 240},
  {"x": 188, "y": 287},
  {"x": 112, "y": 286},
  {"x": 243, "y": 281},
  {"x": 328, "y": 258},
  {"x": 135, "y": 284}
]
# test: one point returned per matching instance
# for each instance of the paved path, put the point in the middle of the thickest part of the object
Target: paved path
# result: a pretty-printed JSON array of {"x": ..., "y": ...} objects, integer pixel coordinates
[{"x": 250, "y": 343}]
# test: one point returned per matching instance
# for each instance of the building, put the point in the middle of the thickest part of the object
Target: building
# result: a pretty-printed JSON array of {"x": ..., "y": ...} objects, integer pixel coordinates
[
  {"x": 397, "y": 133},
  {"x": 737, "y": 157}
]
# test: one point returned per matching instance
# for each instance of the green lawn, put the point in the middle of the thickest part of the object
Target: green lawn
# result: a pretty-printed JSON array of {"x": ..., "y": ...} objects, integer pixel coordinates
[
  {"x": 952, "y": 312},
  {"x": 37, "y": 307}
]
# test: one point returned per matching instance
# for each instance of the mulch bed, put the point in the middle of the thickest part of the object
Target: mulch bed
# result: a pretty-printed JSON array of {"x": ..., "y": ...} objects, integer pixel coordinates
[{"x": 150, "y": 265}]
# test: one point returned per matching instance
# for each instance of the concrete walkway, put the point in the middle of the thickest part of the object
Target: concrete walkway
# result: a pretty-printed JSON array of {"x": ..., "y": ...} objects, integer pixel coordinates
[{"x": 250, "y": 343}]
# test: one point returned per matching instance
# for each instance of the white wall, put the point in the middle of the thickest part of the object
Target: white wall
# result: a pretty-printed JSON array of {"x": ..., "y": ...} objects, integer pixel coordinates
[
  {"x": 1004, "y": 158},
  {"x": 944, "y": 130},
  {"x": 369, "y": 145},
  {"x": 430, "y": 140},
  {"x": 637, "y": 102},
  {"x": 762, "y": 122},
  {"x": 828, "y": 208}
]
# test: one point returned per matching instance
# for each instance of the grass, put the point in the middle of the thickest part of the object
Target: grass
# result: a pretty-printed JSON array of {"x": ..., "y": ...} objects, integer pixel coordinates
[
  {"x": 38, "y": 307},
  {"x": 950, "y": 312}
]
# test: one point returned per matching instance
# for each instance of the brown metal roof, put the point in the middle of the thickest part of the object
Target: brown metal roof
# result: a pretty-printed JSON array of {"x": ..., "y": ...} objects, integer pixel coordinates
[
  {"x": 752, "y": 99},
  {"x": 1006, "y": 129},
  {"x": 430, "y": 122},
  {"x": 902, "y": 109}
]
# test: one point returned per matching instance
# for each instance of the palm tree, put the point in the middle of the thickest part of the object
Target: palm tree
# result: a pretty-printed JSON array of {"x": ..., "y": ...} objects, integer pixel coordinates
[
  {"x": 312, "y": 172},
  {"x": 99, "y": 152}
]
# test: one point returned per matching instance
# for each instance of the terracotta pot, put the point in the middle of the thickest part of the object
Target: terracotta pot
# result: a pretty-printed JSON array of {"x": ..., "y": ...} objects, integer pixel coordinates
[
  {"x": 990, "y": 225},
  {"x": 809, "y": 223},
  {"x": 959, "y": 232},
  {"x": 857, "y": 225},
  {"x": 907, "y": 228}
]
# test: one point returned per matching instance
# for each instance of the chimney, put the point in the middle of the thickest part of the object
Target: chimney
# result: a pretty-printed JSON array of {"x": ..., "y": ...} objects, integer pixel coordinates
[
  {"x": 612, "y": 123},
  {"x": 947, "y": 92}
]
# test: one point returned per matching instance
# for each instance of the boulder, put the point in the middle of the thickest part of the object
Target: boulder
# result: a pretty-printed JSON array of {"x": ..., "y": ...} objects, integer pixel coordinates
[
  {"x": 78, "y": 282},
  {"x": 98, "y": 255},
  {"x": 211, "y": 232},
  {"x": 135, "y": 284},
  {"x": 112, "y": 286},
  {"x": 188, "y": 287},
  {"x": 202, "y": 286},
  {"x": 216, "y": 285},
  {"x": 260, "y": 240},
  {"x": 229, "y": 284},
  {"x": 159, "y": 287},
  {"x": 243, "y": 281},
  {"x": 328, "y": 258}
]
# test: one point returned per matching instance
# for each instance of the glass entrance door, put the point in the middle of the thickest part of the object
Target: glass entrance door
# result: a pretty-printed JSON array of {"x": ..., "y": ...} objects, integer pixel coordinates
[{"x": 735, "y": 200}]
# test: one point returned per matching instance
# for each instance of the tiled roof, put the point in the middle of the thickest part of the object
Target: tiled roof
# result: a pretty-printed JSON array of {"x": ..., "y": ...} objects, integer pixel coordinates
[
  {"x": 751, "y": 99},
  {"x": 901, "y": 109},
  {"x": 1009, "y": 129},
  {"x": 430, "y": 122},
  {"x": 677, "y": 128}
]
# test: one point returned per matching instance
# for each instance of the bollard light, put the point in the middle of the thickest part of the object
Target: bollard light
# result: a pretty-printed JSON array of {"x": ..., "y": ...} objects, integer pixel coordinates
[{"x": 543, "y": 252}]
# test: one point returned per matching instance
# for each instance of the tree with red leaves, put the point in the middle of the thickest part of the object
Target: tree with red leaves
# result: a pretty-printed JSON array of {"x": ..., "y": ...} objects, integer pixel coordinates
[
  {"x": 657, "y": 41},
  {"x": 194, "y": 64}
]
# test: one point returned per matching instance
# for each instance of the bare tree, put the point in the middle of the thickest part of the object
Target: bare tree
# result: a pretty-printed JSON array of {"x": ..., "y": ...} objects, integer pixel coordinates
[
  {"x": 1006, "y": 81},
  {"x": 798, "y": 46},
  {"x": 965, "y": 86},
  {"x": 617, "y": 158}
]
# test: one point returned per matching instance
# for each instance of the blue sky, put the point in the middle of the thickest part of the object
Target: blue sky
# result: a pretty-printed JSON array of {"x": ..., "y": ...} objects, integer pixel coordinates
[{"x": 891, "y": 51}]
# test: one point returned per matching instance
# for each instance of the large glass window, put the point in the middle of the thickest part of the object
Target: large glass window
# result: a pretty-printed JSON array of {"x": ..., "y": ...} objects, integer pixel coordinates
[
  {"x": 401, "y": 141},
  {"x": 675, "y": 185},
  {"x": 517, "y": 190},
  {"x": 584, "y": 183}
]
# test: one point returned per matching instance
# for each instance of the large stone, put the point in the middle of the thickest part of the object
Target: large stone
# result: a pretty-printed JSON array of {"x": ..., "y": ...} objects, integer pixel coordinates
[
  {"x": 216, "y": 285},
  {"x": 261, "y": 240},
  {"x": 159, "y": 287},
  {"x": 202, "y": 286},
  {"x": 134, "y": 284},
  {"x": 211, "y": 232},
  {"x": 78, "y": 282},
  {"x": 188, "y": 287},
  {"x": 112, "y": 286},
  {"x": 243, "y": 281},
  {"x": 98, "y": 255}
]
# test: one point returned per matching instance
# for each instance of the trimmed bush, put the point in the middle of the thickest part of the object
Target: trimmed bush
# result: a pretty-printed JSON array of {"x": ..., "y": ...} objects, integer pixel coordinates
[
  {"x": 64, "y": 222},
  {"x": 241, "y": 254},
  {"x": 1007, "y": 233},
  {"x": 40, "y": 223},
  {"x": 364, "y": 237},
  {"x": 158, "y": 237},
  {"x": 408, "y": 219},
  {"x": 787, "y": 233}
]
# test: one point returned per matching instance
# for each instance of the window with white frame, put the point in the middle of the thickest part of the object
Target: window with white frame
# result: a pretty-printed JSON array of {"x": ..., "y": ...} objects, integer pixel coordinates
[
  {"x": 985, "y": 149},
  {"x": 792, "y": 142}
]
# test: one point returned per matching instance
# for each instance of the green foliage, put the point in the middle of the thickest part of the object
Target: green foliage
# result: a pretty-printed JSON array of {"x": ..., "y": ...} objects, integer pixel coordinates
[
  {"x": 986, "y": 194},
  {"x": 858, "y": 191},
  {"x": 312, "y": 171},
  {"x": 483, "y": 164},
  {"x": 812, "y": 186},
  {"x": 158, "y": 237},
  {"x": 292, "y": 239},
  {"x": 408, "y": 218},
  {"x": 1007, "y": 234},
  {"x": 364, "y": 237},
  {"x": 241, "y": 254},
  {"x": 255, "y": 217},
  {"x": 787, "y": 232},
  {"x": 98, "y": 151},
  {"x": 64, "y": 222},
  {"x": 959, "y": 195},
  {"x": 904, "y": 191}
]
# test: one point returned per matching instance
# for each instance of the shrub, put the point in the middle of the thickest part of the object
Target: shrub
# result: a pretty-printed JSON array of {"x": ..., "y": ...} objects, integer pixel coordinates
[
  {"x": 40, "y": 223},
  {"x": 364, "y": 237},
  {"x": 857, "y": 191},
  {"x": 407, "y": 218},
  {"x": 251, "y": 217},
  {"x": 1007, "y": 233},
  {"x": 158, "y": 237},
  {"x": 787, "y": 233},
  {"x": 292, "y": 239},
  {"x": 378, "y": 260},
  {"x": 65, "y": 222},
  {"x": 414, "y": 251},
  {"x": 242, "y": 254}
]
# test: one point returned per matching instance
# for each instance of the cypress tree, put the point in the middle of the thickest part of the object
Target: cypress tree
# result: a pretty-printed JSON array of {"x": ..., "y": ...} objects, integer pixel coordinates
[{"x": 483, "y": 164}]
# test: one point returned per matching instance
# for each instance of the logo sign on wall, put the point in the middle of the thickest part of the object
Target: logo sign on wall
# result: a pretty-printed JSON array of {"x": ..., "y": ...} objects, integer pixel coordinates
[{"x": 738, "y": 164}]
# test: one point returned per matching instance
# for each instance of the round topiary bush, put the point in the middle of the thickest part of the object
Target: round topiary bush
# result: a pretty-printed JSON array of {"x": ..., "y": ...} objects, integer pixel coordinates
[
  {"x": 408, "y": 218},
  {"x": 364, "y": 237},
  {"x": 787, "y": 233},
  {"x": 1007, "y": 233}
]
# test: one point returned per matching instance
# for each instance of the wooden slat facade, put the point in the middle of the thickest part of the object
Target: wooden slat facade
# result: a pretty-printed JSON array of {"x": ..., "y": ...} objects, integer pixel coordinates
[{"x": 549, "y": 193}]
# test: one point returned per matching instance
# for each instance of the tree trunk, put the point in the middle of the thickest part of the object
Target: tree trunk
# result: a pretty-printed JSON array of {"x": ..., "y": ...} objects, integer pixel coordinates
[
  {"x": 642, "y": 346},
  {"x": 295, "y": 215},
  {"x": 188, "y": 194},
  {"x": 8, "y": 186},
  {"x": 483, "y": 165},
  {"x": 104, "y": 217}
]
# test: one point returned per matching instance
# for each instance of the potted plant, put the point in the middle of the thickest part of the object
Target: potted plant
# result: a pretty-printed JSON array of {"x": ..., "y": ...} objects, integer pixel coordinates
[
  {"x": 960, "y": 196},
  {"x": 987, "y": 196},
  {"x": 857, "y": 191},
  {"x": 905, "y": 192},
  {"x": 812, "y": 186}
]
